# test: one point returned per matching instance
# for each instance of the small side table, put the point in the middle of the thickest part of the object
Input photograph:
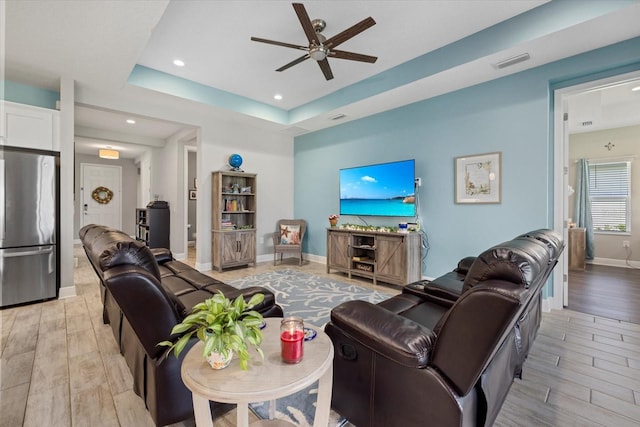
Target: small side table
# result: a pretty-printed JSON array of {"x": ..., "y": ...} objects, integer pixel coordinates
[{"x": 265, "y": 380}]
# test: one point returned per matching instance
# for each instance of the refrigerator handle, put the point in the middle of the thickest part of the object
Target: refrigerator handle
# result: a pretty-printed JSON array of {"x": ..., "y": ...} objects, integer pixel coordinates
[
  {"x": 28, "y": 253},
  {"x": 2, "y": 201}
]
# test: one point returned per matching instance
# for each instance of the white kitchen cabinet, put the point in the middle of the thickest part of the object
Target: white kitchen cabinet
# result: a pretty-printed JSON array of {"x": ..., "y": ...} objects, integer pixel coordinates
[{"x": 29, "y": 127}]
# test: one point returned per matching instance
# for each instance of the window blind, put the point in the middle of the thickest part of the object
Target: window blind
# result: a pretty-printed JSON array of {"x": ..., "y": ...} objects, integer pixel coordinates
[{"x": 609, "y": 190}]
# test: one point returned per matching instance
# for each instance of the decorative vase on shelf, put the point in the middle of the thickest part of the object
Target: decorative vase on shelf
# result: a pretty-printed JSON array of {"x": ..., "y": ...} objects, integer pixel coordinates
[
  {"x": 333, "y": 222},
  {"x": 218, "y": 361}
]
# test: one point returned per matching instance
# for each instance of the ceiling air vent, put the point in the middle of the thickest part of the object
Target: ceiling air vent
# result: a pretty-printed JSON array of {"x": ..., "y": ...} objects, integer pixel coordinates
[
  {"x": 338, "y": 116},
  {"x": 511, "y": 61}
]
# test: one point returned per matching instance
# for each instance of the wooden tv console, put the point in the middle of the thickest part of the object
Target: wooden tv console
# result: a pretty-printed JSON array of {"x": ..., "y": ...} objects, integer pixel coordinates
[{"x": 389, "y": 257}]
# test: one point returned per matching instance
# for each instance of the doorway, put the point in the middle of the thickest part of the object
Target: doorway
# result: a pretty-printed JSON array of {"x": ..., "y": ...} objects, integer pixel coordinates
[
  {"x": 101, "y": 195},
  {"x": 569, "y": 109},
  {"x": 191, "y": 205}
]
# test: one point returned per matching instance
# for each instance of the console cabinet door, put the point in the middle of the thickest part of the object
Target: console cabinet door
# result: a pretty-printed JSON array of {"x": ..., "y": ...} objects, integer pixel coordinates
[
  {"x": 338, "y": 246},
  {"x": 391, "y": 258},
  {"x": 229, "y": 248},
  {"x": 238, "y": 248},
  {"x": 246, "y": 247}
]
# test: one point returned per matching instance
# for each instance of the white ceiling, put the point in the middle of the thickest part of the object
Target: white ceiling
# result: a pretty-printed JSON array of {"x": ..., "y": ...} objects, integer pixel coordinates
[
  {"x": 97, "y": 128},
  {"x": 97, "y": 43},
  {"x": 213, "y": 39},
  {"x": 614, "y": 106}
]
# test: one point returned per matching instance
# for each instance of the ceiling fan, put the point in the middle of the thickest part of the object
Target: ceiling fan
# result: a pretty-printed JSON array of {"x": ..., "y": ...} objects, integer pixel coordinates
[{"x": 320, "y": 48}]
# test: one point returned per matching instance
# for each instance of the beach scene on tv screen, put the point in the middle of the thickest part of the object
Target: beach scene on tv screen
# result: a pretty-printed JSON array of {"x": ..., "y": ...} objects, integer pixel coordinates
[{"x": 384, "y": 190}]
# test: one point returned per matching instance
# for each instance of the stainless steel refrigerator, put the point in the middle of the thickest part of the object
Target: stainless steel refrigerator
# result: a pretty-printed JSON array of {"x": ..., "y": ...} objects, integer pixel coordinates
[{"x": 29, "y": 185}]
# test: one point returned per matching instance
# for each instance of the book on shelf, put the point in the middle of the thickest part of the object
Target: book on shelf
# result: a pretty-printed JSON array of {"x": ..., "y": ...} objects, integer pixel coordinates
[
  {"x": 360, "y": 258},
  {"x": 233, "y": 205},
  {"x": 227, "y": 225}
]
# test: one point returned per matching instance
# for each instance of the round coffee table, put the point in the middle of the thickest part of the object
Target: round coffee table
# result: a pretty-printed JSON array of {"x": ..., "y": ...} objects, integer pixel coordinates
[{"x": 265, "y": 380}]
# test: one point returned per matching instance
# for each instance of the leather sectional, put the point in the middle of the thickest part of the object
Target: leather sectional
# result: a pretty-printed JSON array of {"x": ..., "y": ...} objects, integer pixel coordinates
[
  {"x": 443, "y": 352},
  {"x": 145, "y": 292}
]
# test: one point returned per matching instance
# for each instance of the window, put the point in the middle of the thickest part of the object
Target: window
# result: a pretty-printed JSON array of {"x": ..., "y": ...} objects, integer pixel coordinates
[{"x": 610, "y": 193}]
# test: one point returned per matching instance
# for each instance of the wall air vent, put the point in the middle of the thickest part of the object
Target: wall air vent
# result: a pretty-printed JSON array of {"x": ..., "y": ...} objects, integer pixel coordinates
[
  {"x": 338, "y": 116},
  {"x": 587, "y": 123},
  {"x": 511, "y": 61}
]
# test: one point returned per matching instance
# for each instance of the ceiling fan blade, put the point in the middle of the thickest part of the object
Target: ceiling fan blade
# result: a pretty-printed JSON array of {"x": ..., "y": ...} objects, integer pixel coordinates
[
  {"x": 306, "y": 23},
  {"x": 293, "y": 46},
  {"x": 341, "y": 54},
  {"x": 295, "y": 62},
  {"x": 342, "y": 37},
  {"x": 326, "y": 69}
]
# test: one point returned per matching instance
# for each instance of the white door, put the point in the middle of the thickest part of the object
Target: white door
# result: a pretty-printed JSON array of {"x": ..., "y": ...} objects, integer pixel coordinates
[{"x": 101, "y": 195}]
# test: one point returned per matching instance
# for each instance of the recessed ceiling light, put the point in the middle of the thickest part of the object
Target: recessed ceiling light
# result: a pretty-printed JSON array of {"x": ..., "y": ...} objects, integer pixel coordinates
[
  {"x": 277, "y": 97},
  {"x": 131, "y": 121},
  {"x": 636, "y": 89},
  {"x": 178, "y": 63}
]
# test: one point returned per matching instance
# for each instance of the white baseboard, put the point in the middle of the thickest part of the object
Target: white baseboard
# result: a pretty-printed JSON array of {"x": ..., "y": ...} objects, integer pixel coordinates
[
  {"x": 315, "y": 258},
  {"x": 612, "y": 262},
  {"x": 307, "y": 257},
  {"x": 264, "y": 258},
  {"x": 547, "y": 304},
  {"x": 204, "y": 266},
  {"x": 67, "y": 292},
  {"x": 180, "y": 256}
]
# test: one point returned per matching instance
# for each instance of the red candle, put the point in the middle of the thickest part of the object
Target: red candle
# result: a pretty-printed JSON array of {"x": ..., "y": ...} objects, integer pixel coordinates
[
  {"x": 291, "y": 339},
  {"x": 291, "y": 344}
]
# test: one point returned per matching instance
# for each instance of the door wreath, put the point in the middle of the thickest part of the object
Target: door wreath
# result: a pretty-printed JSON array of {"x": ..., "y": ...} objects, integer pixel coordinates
[{"x": 102, "y": 195}]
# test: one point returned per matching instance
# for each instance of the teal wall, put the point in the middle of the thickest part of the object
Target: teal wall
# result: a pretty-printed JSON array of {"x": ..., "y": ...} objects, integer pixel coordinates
[
  {"x": 30, "y": 95},
  {"x": 511, "y": 115}
]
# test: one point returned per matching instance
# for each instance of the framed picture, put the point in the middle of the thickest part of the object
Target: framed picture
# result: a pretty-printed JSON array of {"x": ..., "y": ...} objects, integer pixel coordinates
[
  {"x": 193, "y": 194},
  {"x": 478, "y": 178}
]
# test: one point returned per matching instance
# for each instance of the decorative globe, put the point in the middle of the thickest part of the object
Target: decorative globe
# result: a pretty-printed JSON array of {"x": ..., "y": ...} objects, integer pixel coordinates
[{"x": 235, "y": 160}]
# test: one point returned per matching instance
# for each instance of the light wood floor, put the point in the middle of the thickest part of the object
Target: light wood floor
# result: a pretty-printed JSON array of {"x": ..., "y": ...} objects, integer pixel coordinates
[{"x": 60, "y": 366}]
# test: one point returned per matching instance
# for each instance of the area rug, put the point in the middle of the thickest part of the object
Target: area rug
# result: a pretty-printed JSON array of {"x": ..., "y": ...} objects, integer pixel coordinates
[
  {"x": 308, "y": 296},
  {"x": 312, "y": 298}
]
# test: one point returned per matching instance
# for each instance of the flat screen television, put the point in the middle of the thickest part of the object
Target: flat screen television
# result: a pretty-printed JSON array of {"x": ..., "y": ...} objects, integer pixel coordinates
[{"x": 385, "y": 189}]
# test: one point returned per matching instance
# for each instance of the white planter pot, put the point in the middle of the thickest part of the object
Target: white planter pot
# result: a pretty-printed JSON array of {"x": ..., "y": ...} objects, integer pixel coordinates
[{"x": 217, "y": 361}]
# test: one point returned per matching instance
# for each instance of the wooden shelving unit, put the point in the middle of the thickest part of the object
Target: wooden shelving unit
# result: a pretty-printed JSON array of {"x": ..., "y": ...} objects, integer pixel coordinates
[
  {"x": 233, "y": 227},
  {"x": 153, "y": 227}
]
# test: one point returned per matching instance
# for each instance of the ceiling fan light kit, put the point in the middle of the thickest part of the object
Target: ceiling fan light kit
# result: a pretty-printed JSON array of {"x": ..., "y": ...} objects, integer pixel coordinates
[
  {"x": 320, "y": 48},
  {"x": 318, "y": 53}
]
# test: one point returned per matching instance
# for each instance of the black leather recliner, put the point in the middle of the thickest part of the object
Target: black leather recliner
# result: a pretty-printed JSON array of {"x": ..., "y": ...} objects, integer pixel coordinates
[
  {"x": 443, "y": 352},
  {"x": 145, "y": 293}
]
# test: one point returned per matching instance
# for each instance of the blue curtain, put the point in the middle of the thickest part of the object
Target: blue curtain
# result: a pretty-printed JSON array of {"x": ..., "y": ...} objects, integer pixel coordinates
[{"x": 583, "y": 205}]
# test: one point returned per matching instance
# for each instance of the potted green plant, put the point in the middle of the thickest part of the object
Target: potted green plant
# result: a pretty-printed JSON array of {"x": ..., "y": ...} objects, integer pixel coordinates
[{"x": 225, "y": 327}]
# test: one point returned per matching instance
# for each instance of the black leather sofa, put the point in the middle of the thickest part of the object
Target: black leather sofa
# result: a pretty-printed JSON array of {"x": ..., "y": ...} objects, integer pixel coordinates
[
  {"x": 443, "y": 352},
  {"x": 145, "y": 292}
]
